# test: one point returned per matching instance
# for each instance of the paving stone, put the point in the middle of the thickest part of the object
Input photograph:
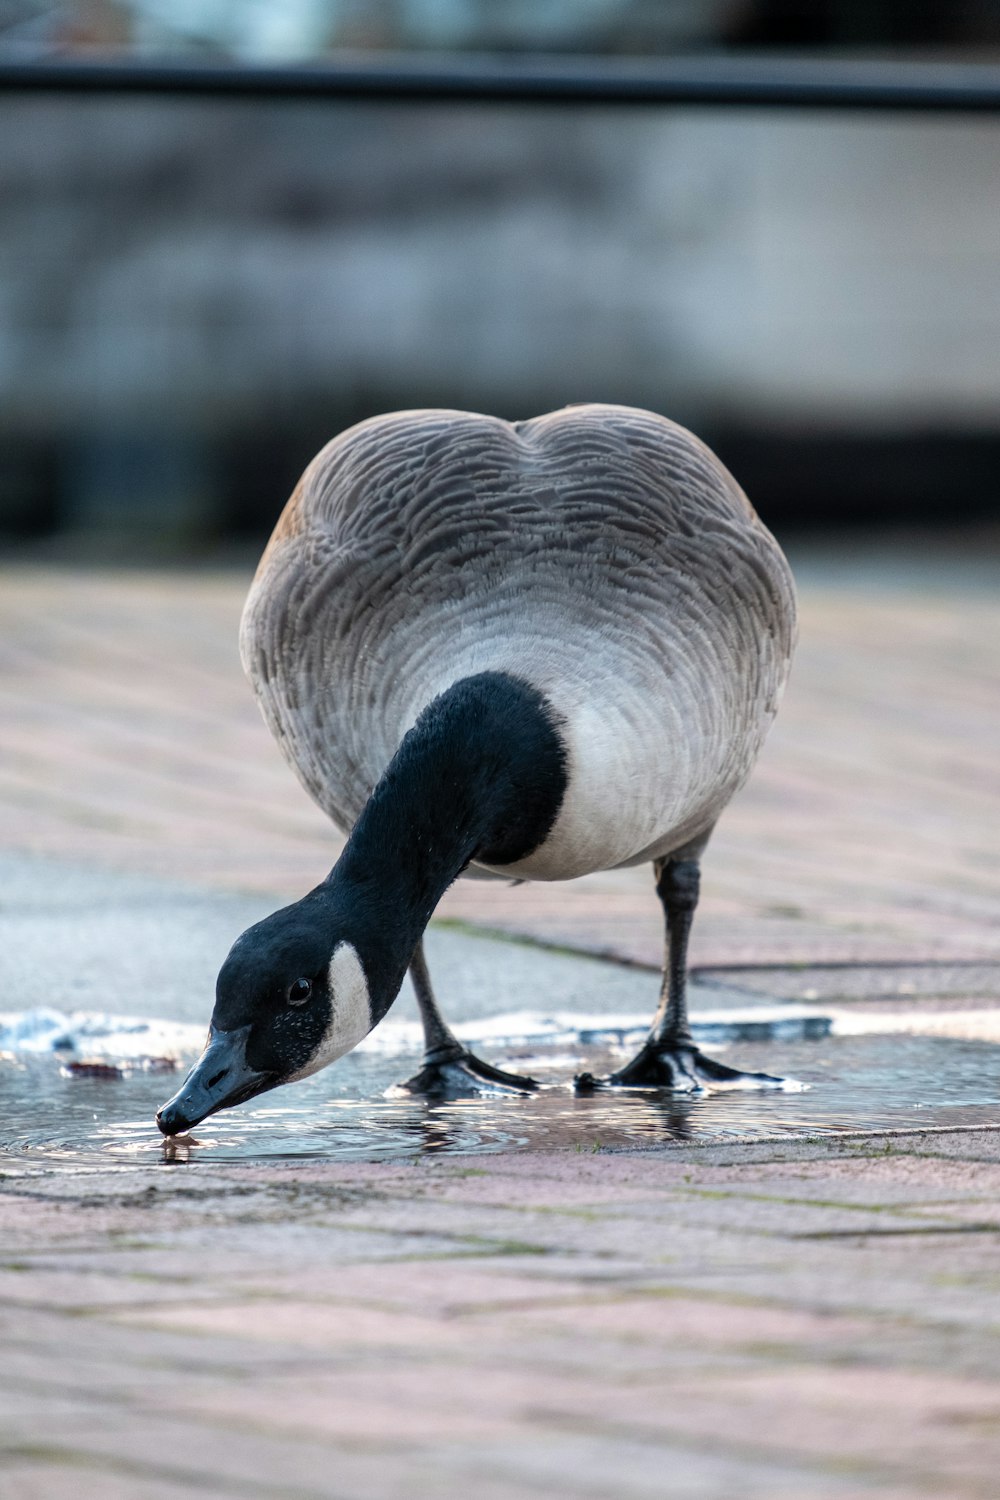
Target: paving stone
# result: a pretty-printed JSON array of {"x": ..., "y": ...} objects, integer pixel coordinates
[
  {"x": 778, "y": 1319},
  {"x": 686, "y": 1351}
]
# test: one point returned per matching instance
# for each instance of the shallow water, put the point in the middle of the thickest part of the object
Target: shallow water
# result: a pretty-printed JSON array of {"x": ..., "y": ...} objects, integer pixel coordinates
[{"x": 56, "y": 1122}]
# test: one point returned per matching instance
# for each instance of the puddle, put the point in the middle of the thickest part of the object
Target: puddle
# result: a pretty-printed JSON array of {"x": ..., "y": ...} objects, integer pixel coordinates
[
  {"x": 144, "y": 949},
  {"x": 54, "y": 1122}
]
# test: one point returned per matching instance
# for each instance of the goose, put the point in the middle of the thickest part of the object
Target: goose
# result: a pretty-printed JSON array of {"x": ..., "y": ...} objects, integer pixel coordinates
[{"x": 511, "y": 650}]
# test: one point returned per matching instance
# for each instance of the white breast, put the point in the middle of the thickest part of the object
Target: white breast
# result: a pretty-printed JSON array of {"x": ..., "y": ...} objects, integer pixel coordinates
[{"x": 656, "y": 744}]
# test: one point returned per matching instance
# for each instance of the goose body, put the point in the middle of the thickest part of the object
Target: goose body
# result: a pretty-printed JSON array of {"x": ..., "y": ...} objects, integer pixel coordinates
[
  {"x": 600, "y": 553},
  {"x": 527, "y": 650}
]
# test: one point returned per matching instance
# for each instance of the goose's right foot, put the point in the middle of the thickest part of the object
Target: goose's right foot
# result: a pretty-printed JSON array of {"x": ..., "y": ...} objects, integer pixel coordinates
[{"x": 456, "y": 1073}]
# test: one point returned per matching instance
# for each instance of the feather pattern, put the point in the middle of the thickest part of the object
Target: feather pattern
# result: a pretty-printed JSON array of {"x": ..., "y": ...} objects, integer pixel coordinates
[{"x": 601, "y": 553}]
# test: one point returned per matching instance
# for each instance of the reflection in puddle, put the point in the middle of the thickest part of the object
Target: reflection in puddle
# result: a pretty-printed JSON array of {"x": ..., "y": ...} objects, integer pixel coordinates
[{"x": 864, "y": 1082}]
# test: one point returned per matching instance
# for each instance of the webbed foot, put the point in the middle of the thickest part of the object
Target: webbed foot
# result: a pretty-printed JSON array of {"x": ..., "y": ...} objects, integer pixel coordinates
[
  {"x": 683, "y": 1069},
  {"x": 457, "y": 1073}
]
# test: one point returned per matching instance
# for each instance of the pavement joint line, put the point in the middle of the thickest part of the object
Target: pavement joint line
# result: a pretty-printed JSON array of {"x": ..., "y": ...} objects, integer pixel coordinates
[
  {"x": 887, "y": 1133},
  {"x": 702, "y": 971},
  {"x": 448, "y": 1312},
  {"x": 661, "y": 1212},
  {"x": 622, "y": 1293},
  {"x": 848, "y": 1312},
  {"x": 742, "y": 1195},
  {"x": 896, "y": 1232},
  {"x": 192, "y": 1361},
  {"x": 471, "y": 928}
]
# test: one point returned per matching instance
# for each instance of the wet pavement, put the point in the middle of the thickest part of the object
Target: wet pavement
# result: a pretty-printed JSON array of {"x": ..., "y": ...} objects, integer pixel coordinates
[
  {"x": 115, "y": 975},
  {"x": 57, "y": 1121},
  {"x": 335, "y": 1296}
]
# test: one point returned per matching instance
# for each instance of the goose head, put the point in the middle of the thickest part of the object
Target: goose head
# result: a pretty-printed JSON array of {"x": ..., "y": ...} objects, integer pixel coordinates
[{"x": 292, "y": 996}]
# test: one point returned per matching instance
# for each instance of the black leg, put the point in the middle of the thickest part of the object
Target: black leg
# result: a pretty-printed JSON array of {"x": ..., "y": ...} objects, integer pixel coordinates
[
  {"x": 449, "y": 1069},
  {"x": 669, "y": 1059},
  {"x": 678, "y": 884}
]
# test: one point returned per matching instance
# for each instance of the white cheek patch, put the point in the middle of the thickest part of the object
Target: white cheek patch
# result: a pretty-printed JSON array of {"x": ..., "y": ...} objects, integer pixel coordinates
[{"x": 350, "y": 1010}]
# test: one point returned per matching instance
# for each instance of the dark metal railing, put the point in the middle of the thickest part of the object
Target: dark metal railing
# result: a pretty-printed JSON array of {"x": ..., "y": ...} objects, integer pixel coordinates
[{"x": 770, "y": 83}]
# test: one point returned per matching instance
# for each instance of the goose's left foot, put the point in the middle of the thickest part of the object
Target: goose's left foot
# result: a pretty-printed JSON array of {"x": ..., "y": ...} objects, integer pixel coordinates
[
  {"x": 457, "y": 1073},
  {"x": 683, "y": 1069}
]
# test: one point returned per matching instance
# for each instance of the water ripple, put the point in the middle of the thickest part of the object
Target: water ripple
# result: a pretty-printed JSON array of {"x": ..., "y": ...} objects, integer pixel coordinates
[{"x": 54, "y": 1122}]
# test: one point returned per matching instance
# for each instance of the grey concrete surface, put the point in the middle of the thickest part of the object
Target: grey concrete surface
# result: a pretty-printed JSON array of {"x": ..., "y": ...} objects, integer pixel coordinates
[{"x": 75, "y": 937}]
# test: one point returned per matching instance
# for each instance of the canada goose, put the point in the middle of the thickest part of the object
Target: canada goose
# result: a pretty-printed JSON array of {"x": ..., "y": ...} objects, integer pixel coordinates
[{"x": 524, "y": 650}]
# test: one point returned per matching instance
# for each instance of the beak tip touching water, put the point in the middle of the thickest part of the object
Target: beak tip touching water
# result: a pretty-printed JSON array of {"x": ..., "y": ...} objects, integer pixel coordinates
[
  {"x": 171, "y": 1120},
  {"x": 221, "y": 1077}
]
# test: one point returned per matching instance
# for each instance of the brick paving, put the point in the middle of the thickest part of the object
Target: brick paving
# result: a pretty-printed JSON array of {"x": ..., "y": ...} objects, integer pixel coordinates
[{"x": 773, "y": 1320}]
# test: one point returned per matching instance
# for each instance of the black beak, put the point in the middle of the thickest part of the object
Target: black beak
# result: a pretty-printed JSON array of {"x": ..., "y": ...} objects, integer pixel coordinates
[{"x": 219, "y": 1079}]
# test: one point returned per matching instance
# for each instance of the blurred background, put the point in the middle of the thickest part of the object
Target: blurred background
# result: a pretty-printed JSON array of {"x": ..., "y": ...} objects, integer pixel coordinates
[{"x": 195, "y": 294}]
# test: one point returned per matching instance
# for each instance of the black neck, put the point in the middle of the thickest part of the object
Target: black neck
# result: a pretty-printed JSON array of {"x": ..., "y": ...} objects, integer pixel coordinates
[{"x": 481, "y": 775}]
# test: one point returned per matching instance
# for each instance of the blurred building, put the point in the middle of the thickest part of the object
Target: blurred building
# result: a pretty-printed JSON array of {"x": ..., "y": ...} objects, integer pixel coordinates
[{"x": 195, "y": 295}]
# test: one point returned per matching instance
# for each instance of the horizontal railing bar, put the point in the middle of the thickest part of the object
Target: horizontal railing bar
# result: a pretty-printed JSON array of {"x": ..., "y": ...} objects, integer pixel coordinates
[{"x": 773, "y": 83}]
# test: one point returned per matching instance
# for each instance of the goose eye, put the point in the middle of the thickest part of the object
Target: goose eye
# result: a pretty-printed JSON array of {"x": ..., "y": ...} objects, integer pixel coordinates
[{"x": 299, "y": 992}]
